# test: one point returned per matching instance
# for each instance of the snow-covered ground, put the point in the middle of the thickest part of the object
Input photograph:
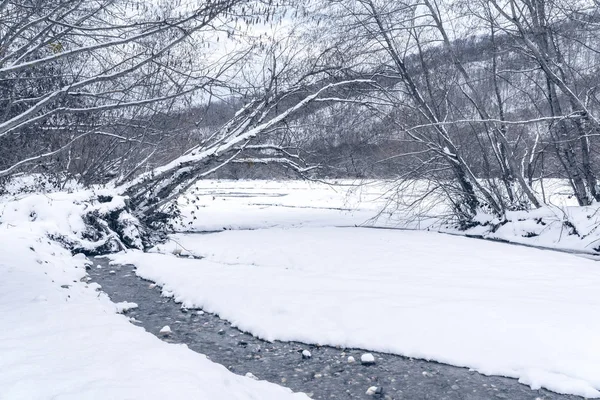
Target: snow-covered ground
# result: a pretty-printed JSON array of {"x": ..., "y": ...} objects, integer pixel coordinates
[
  {"x": 298, "y": 275},
  {"x": 217, "y": 205},
  {"x": 304, "y": 273},
  {"x": 24, "y": 185},
  {"x": 496, "y": 308},
  {"x": 61, "y": 339}
]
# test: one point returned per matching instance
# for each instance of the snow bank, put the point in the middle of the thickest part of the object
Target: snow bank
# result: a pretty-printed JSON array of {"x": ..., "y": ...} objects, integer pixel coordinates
[
  {"x": 499, "y": 309},
  {"x": 61, "y": 339},
  {"x": 566, "y": 228},
  {"x": 90, "y": 221}
]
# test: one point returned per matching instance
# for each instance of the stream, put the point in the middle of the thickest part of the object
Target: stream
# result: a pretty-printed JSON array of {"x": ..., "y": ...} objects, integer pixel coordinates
[{"x": 326, "y": 374}]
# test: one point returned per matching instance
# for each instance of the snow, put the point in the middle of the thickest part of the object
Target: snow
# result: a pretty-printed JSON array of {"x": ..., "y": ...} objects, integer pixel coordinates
[
  {"x": 223, "y": 205},
  {"x": 251, "y": 376},
  {"x": 124, "y": 306},
  {"x": 219, "y": 205},
  {"x": 58, "y": 214},
  {"x": 165, "y": 330},
  {"x": 550, "y": 227},
  {"x": 496, "y": 308},
  {"x": 35, "y": 183},
  {"x": 65, "y": 340}
]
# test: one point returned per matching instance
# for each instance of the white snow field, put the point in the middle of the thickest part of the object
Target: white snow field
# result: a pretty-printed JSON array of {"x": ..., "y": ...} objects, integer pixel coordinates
[
  {"x": 499, "y": 309},
  {"x": 216, "y": 205},
  {"x": 61, "y": 339},
  {"x": 496, "y": 308}
]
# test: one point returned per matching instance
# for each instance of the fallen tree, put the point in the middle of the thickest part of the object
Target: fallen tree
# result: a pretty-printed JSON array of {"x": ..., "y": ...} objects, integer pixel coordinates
[{"x": 147, "y": 203}]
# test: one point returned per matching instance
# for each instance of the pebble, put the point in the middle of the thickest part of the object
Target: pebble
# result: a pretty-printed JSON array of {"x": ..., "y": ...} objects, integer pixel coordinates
[
  {"x": 373, "y": 390},
  {"x": 251, "y": 376},
  {"x": 152, "y": 286},
  {"x": 351, "y": 360},
  {"x": 306, "y": 354},
  {"x": 112, "y": 272},
  {"x": 455, "y": 387},
  {"x": 367, "y": 359},
  {"x": 165, "y": 330}
]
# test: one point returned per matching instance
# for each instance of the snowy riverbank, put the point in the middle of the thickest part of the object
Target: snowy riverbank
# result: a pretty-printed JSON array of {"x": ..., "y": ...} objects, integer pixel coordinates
[
  {"x": 499, "y": 309},
  {"x": 62, "y": 339},
  {"x": 496, "y": 308}
]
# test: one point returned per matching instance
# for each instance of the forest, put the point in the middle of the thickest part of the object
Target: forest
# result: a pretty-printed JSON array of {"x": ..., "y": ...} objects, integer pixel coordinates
[{"x": 483, "y": 99}]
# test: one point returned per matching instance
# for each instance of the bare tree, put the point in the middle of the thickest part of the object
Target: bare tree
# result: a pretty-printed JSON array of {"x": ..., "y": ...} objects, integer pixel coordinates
[
  {"x": 73, "y": 69},
  {"x": 543, "y": 29},
  {"x": 289, "y": 83},
  {"x": 466, "y": 83}
]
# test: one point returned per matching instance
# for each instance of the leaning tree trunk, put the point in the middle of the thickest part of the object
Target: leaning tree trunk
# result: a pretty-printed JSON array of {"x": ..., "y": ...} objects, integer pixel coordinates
[{"x": 151, "y": 194}]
